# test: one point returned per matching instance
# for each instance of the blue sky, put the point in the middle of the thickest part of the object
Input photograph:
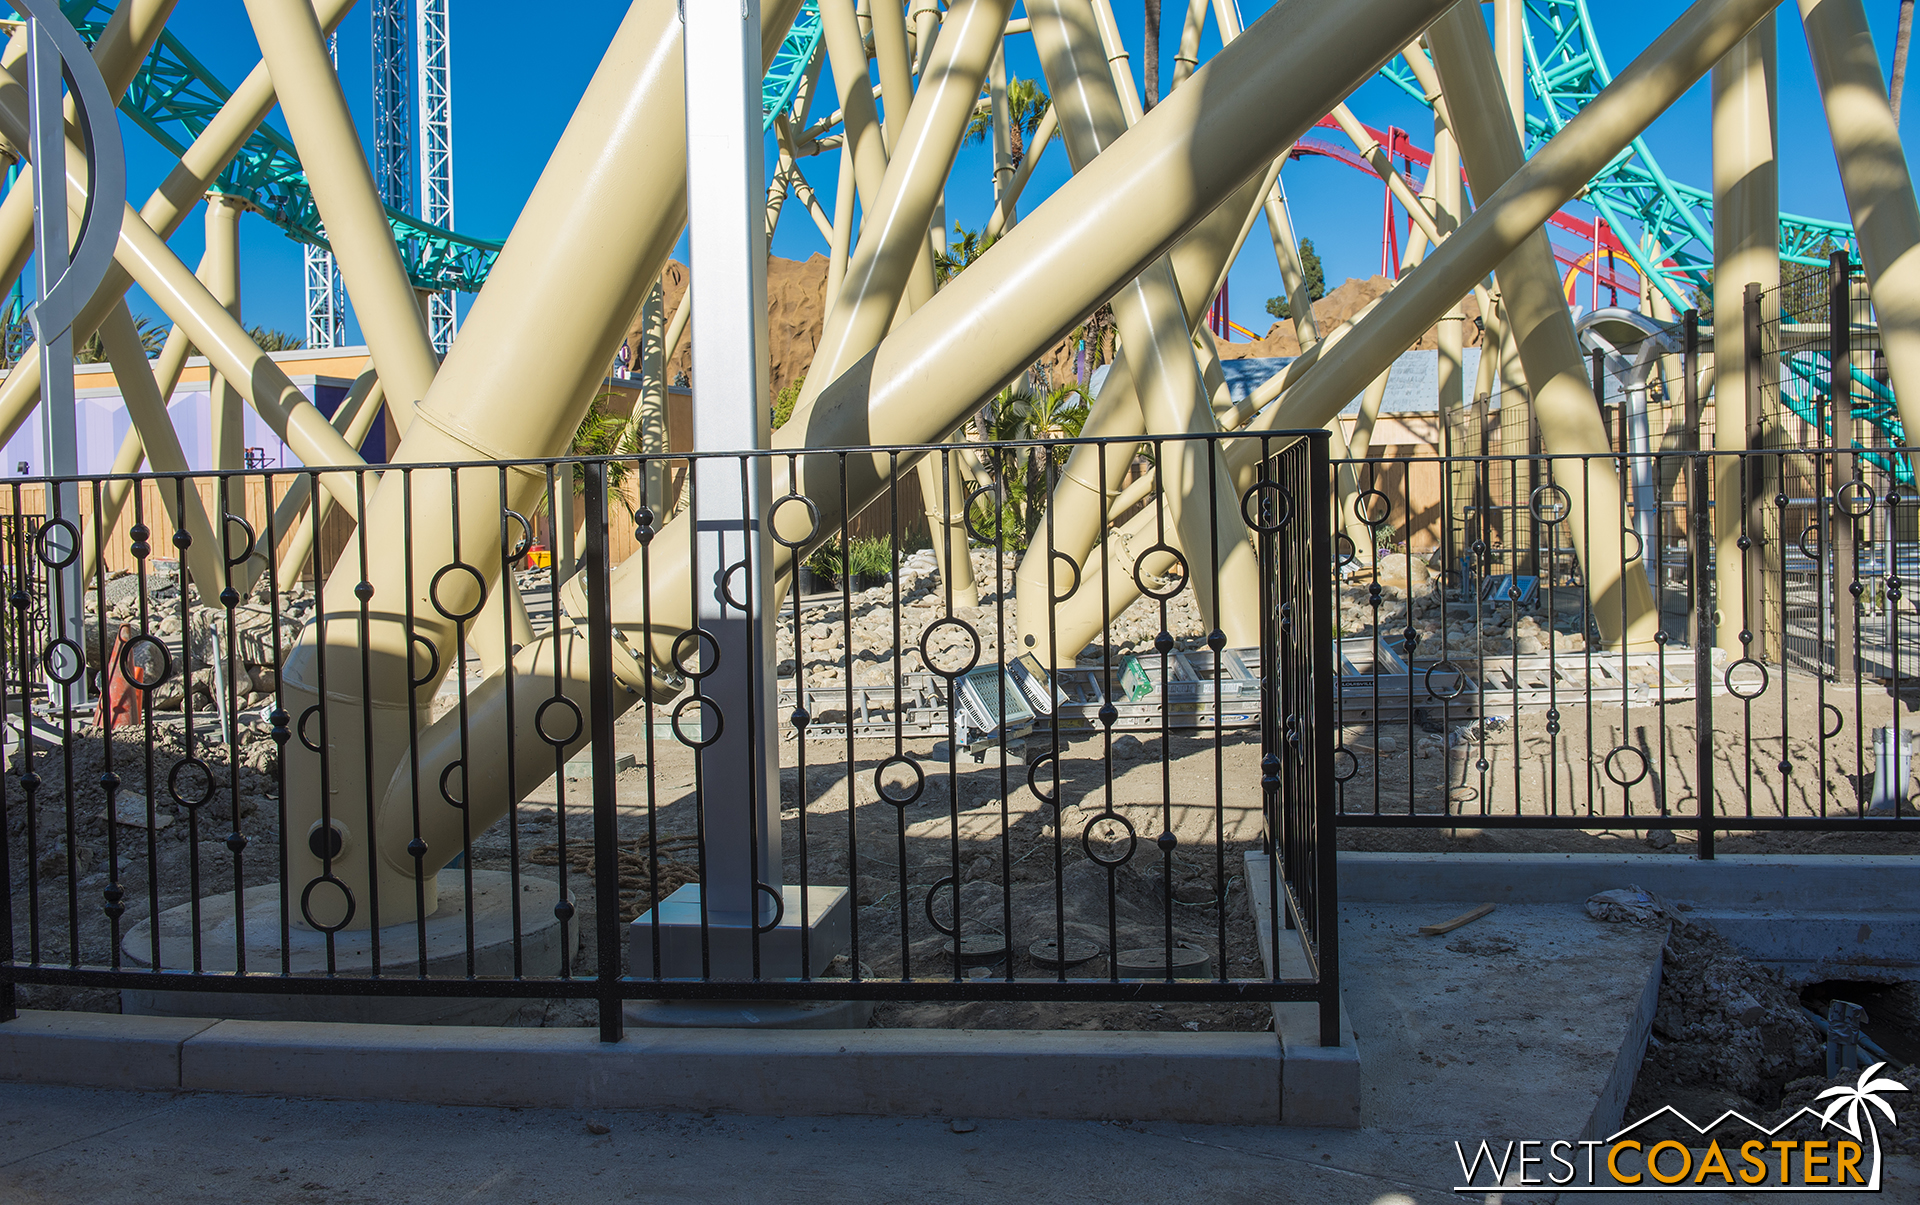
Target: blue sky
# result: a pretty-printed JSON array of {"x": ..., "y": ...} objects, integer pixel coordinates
[{"x": 516, "y": 78}]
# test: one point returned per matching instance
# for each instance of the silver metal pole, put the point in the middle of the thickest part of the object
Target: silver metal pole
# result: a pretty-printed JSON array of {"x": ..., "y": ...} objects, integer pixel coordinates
[{"x": 733, "y": 577}]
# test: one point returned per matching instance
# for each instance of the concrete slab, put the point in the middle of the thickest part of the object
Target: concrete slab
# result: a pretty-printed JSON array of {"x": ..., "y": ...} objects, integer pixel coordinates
[
  {"x": 95, "y": 1049},
  {"x": 1796, "y": 882},
  {"x": 1533, "y": 1020},
  {"x": 1214, "y": 1077},
  {"x": 541, "y": 950},
  {"x": 128, "y": 1148},
  {"x": 1320, "y": 1085}
]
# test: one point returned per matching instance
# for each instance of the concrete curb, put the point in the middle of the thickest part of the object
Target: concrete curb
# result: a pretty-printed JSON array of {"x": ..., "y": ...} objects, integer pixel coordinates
[{"x": 1218, "y": 1078}]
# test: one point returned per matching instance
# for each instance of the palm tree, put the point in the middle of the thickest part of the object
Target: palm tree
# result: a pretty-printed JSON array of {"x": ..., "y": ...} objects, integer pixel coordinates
[
  {"x": 273, "y": 340},
  {"x": 152, "y": 338},
  {"x": 1862, "y": 1092},
  {"x": 965, "y": 247},
  {"x": 1026, "y": 104},
  {"x": 1150, "y": 60},
  {"x": 1902, "y": 38}
]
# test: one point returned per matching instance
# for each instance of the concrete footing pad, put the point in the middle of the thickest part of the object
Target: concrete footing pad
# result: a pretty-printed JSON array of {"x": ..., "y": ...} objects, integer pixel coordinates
[
  {"x": 540, "y": 952},
  {"x": 750, "y": 1014},
  {"x": 1228, "y": 1078}
]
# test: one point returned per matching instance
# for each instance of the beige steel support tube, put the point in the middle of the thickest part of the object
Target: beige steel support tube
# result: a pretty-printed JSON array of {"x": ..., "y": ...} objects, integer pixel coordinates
[
  {"x": 895, "y": 61},
  {"x": 208, "y": 155},
  {"x": 220, "y": 336},
  {"x": 220, "y": 272},
  {"x": 1002, "y": 124},
  {"x": 1563, "y": 403},
  {"x": 233, "y": 353},
  {"x": 166, "y": 375},
  {"x": 1119, "y": 65},
  {"x": 1306, "y": 329},
  {"x": 1678, "y": 58},
  {"x": 1746, "y": 249},
  {"x": 148, "y": 410},
  {"x": 859, "y": 121},
  {"x": 943, "y": 497},
  {"x": 1187, "y": 58},
  {"x": 594, "y": 235},
  {"x": 316, "y": 112},
  {"x": 841, "y": 243},
  {"x": 119, "y": 53},
  {"x": 1153, "y": 326},
  {"x": 1879, "y": 187},
  {"x": 893, "y": 235},
  {"x": 1103, "y": 227},
  {"x": 1005, "y": 207},
  {"x": 289, "y": 516}
]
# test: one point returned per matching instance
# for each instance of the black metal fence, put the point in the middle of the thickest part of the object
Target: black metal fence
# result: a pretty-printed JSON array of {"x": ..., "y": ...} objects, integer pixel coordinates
[
  {"x": 1750, "y": 666},
  {"x": 461, "y": 767}
]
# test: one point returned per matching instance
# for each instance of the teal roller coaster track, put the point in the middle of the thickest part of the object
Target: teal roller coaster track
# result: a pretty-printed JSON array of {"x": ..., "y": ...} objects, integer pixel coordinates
[
  {"x": 175, "y": 96},
  {"x": 1565, "y": 69}
]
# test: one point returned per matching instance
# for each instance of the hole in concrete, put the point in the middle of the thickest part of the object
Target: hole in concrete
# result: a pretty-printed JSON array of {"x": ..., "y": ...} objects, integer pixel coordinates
[{"x": 1893, "y": 1012}]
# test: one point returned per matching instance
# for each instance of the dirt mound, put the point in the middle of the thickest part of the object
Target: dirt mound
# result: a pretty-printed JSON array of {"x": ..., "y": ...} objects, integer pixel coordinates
[
  {"x": 794, "y": 317},
  {"x": 1329, "y": 312},
  {"x": 1728, "y": 1033}
]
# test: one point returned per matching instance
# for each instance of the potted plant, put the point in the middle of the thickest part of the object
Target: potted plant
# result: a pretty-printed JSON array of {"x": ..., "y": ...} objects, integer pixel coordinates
[
  {"x": 820, "y": 572},
  {"x": 870, "y": 562}
]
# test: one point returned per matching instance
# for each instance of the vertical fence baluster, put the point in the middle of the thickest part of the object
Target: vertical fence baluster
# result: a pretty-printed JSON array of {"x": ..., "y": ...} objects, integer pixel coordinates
[{"x": 606, "y": 832}]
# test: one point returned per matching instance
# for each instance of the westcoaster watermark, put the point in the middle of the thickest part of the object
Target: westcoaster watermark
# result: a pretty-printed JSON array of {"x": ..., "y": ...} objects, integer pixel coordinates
[{"x": 1830, "y": 1149}]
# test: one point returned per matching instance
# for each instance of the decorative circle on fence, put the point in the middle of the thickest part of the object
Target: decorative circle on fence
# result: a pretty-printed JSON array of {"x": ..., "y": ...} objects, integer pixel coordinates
[
  {"x": 1342, "y": 557},
  {"x": 779, "y": 908},
  {"x": 973, "y": 529},
  {"x": 707, "y": 641},
  {"x": 206, "y": 786},
  {"x": 1363, "y": 504},
  {"x": 1618, "y": 776},
  {"x": 773, "y": 520},
  {"x": 1813, "y": 553},
  {"x": 927, "y": 905},
  {"x": 1054, "y": 558},
  {"x": 1352, "y": 763},
  {"x": 43, "y": 549},
  {"x": 300, "y": 729},
  {"x": 1132, "y": 840},
  {"x": 1839, "y": 721},
  {"x": 525, "y": 544},
  {"x": 706, "y": 704},
  {"x": 346, "y": 895},
  {"x": 1140, "y": 572},
  {"x": 1050, "y": 796},
  {"x": 973, "y": 640},
  {"x": 247, "y": 549},
  {"x": 1854, "y": 499},
  {"x": 1747, "y": 687},
  {"x": 540, "y": 721},
  {"x": 479, "y": 585},
  {"x": 1445, "y": 666},
  {"x": 133, "y": 673},
  {"x": 1281, "y": 506},
  {"x": 433, "y": 659},
  {"x": 446, "y": 788},
  {"x": 880, "y": 780},
  {"x": 63, "y": 661},
  {"x": 1550, "y": 504},
  {"x": 726, "y": 585},
  {"x": 1639, "y": 546}
]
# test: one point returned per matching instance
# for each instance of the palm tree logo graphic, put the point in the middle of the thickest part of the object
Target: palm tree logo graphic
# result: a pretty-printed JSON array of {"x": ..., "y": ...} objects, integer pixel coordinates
[{"x": 1853, "y": 1098}]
